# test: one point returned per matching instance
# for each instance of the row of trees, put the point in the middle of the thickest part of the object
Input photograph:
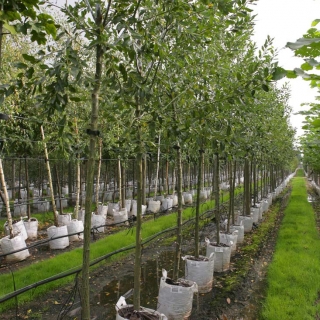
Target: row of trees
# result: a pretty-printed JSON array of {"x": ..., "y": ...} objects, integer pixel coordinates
[{"x": 140, "y": 76}]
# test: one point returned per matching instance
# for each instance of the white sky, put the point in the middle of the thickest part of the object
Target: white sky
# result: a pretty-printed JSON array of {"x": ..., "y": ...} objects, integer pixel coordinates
[{"x": 286, "y": 21}]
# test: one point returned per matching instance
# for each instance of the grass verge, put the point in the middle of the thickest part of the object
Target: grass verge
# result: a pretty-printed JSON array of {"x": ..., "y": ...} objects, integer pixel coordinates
[{"x": 294, "y": 275}]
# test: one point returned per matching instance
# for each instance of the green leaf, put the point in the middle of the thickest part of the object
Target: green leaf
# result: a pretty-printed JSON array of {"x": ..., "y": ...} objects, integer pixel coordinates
[
  {"x": 21, "y": 65},
  {"x": 11, "y": 29},
  {"x": 265, "y": 87},
  {"x": 316, "y": 123},
  {"x": 279, "y": 73},
  {"x": 306, "y": 66},
  {"x": 291, "y": 74},
  {"x": 301, "y": 43},
  {"x": 315, "y": 22},
  {"x": 29, "y": 58}
]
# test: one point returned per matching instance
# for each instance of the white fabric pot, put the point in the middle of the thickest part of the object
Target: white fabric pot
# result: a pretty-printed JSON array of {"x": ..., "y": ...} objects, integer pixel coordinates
[
  {"x": 31, "y": 226},
  {"x": 167, "y": 204},
  {"x": 112, "y": 207},
  {"x": 154, "y": 206},
  {"x": 187, "y": 197},
  {"x": 120, "y": 217},
  {"x": 18, "y": 228},
  {"x": 200, "y": 272},
  {"x": 97, "y": 223},
  {"x": 73, "y": 227},
  {"x": 64, "y": 203},
  {"x": 175, "y": 301},
  {"x": 255, "y": 214},
  {"x": 128, "y": 205},
  {"x": 122, "y": 304},
  {"x": 16, "y": 243},
  {"x": 247, "y": 222},
  {"x": 230, "y": 239},
  {"x": 174, "y": 198},
  {"x": 64, "y": 219},
  {"x": 203, "y": 195},
  {"x": 102, "y": 210},
  {"x": 240, "y": 230},
  {"x": 54, "y": 232},
  {"x": 222, "y": 255},
  {"x": 19, "y": 209},
  {"x": 43, "y": 206},
  {"x": 134, "y": 208}
]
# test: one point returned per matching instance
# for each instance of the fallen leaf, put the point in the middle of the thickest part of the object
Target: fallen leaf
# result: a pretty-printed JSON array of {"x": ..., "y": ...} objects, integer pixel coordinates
[
  {"x": 56, "y": 302},
  {"x": 29, "y": 311},
  {"x": 228, "y": 300}
]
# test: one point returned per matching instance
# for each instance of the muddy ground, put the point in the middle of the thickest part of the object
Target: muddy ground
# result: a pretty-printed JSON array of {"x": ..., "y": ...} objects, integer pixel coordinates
[{"x": 240, "y": 300}]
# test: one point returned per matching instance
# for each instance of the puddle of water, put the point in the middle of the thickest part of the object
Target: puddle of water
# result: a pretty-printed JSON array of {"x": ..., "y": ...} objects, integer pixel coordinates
[{"x": 151, "y": 272}]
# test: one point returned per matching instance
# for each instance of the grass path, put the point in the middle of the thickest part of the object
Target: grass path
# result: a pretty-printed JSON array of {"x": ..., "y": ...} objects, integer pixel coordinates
[{"x": 294, "y": 274}]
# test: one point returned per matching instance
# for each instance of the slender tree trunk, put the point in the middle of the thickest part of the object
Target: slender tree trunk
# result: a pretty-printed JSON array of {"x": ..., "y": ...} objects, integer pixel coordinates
[
  {"x": 54, "y": 208},
  {"x": 179, "y": 216},
  {"x": 231, "y": 190},
  {"x": 6, "y": 199},
  {"x": 123, "y": 186},
  {"x": 247, "y": 198},
  {"x": 158, "y": 165},
  {"x": 85, "y": 313},
  {"x": 13, "y": 186},
  {"x": 27, "y": 187},
  {"x": 59, "y": 188},
  {"x": 144, "y": 178},
  {"x": 217, "y": 196},
  {"x": 98, "y": 176},
  {"x": 141, "y": 185},
  {"x": 196, "y": 232}
]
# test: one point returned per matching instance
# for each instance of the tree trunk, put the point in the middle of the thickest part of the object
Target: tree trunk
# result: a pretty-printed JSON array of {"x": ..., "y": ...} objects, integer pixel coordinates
[
  {"x": 123, "y": 186},
  {"x": 27, "y": 187},
  {"x": 158, "y": 165},
  {"x": 54, "y": 208},
  {"x": 144, "y": 179},
  {"x": 196, "y": 232},
  {"x": 179, "y": 216},
  {"x": 140, "y": 186},
  {"x": 217, "y": 196},
  {"x": 6, "y": 199},
  {"x": 247, "y": 198},
  {"x": 98, "y": 176},
  {"x": 58, "y": 188},
  {"x": 85, "y": 313}
]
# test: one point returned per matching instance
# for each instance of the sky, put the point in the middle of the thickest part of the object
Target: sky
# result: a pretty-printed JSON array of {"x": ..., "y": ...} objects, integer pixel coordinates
[{"x": 286, "y": 21}]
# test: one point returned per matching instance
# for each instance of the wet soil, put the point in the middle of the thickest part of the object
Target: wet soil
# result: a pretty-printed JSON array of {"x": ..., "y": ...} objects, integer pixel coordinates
[{"x": 233, "y": 297}]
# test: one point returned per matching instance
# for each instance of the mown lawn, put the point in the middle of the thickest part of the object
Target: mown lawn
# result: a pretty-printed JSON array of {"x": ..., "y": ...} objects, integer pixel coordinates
[{"x": 294, "y": 275}]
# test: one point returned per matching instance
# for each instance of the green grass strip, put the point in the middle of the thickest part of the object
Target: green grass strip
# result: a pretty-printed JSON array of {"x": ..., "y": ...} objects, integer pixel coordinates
[
  {"x": 294, "y": 274},
  {"x": 68, "y": 260}
]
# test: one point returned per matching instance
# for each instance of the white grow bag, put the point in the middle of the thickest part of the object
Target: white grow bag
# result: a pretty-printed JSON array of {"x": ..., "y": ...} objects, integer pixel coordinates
[
  {"x": 175, "y": 301},
  {"x": 64, "y": 219},
  {"x": 154, "y": 206},
  {"x": 97, "y": 223},
  {"x": 200, "y": 272},
  {"x": 255, "y": 214},
  {"x": 121, "y": 304},
  {"x": 128, "y": 205},
  {"x": 230, "y": 240},
  {"x": 54, "y": 232},
  {"x": 73, "y": 227},
  {"x": 174, "y": 198},
  {"x": 247, "y": 222},
  {"x": 187, "y": 197},
  {"x": 102, "y": 210},
  {"x": 222, "y": 255},
  {"x": 240, "y": 230},
  {"x": 16, "y": 243},
  {"x": 31, "y": 226},
  {"x": 18, "y": 228},
  {"x": 134, "y": 208},
  {"x": 120, "y": 217},
  {"x": 112, "y": 207},
  {"x": 167, "y": 204}
]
